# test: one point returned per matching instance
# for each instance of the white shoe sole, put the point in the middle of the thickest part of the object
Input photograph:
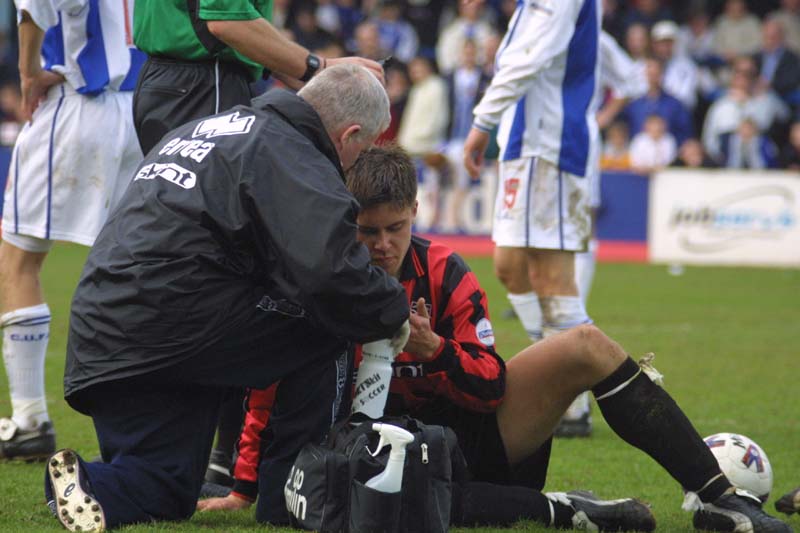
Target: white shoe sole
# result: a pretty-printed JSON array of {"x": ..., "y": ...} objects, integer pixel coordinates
[{"x": 75, "y": 508}]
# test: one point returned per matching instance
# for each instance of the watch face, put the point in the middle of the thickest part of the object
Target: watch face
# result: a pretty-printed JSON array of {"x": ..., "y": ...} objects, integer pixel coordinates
[{"x": 313, "y": 62}]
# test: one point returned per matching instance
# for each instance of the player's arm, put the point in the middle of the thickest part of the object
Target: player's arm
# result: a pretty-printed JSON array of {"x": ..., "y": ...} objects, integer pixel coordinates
[
  {"x": 34, "y": 17},
  {"x": 464, "y": 365},
  {"x": 306, "y": 217},
  {"x": 245, "y": 470},
  {"x": 539, "y": 33},
  {"x": 260, "y": 41},
  {"x": 616, "y": 74}
]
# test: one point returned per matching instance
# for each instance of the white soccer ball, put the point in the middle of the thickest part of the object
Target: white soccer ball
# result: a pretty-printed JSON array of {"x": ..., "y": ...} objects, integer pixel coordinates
[{"x": 743, "y": 462}]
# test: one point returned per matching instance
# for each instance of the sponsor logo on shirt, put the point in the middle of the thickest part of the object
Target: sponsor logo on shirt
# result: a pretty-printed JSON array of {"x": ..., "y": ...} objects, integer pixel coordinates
[
  {"x": 170, "y": 171},
  {"x": 484, "y": 332},
  {"x": 232, "y": 124},
  {"x": 197, "y": 150}
]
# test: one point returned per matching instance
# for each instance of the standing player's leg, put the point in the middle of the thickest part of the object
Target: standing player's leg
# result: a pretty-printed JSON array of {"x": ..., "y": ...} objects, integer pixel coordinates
[
  {"x": 511, "y": 268},
  {"x": 543, "y": 379},
  {"x": 25, "y": 320}
]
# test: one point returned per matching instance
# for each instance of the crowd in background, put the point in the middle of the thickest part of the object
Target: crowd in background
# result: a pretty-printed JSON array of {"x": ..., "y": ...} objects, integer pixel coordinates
[{"x": 717, "y": 82}]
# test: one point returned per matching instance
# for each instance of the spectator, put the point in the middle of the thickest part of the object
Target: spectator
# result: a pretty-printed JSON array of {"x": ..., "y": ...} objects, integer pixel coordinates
[
  {"x": 396, "y": 35},
  {"x": 469, "y": 25},
  {"x": 280, "y": 13},
  {"x": 739, "y": 101},
  {"x": 466, "y": 85},
  {"x": 789, "y": 16},
  {"x": 327, "y": 14},
  {"x": 613, "y": 20},
  {"x": 778, "y": 67},
  {"x": 350, "y": 16},
  {"x": 748, "y": 148},
  {"x": 423, "y": 128},
  {"x": 680, "y": 72},
  {"x": 692, "y": 155},
  {"x": 646, "y": 12},
  {"x": 736, "y": 32},
  {"x": 425, "y": 16},
  {"x": 305, "y": 29},
  {"x": 654, "y": 147},
  {"x": 696, "y": 39},
  {"x": 790, "y": 157},
  {"x": 397, "y": 87},
  {"x": 616, "y": 151},
  {"x": 658, "y": 102},
  {"x": 637, "y": 43},
  {"x": 368, "y": 42}
]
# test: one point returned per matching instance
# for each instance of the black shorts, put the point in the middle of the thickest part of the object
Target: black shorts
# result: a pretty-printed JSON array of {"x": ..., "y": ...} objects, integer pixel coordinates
[{"x": 480, "y": 441}]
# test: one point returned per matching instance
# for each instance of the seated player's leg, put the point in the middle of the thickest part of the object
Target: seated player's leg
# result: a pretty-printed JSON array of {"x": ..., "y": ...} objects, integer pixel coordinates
[
  {"x": 542, "y": 380},
  {"x": 28, "y": 433}
]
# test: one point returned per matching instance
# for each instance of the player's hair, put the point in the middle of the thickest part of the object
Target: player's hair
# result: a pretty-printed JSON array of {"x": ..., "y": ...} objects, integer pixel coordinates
[
  {"x": 347, "y": 94},
  {"x": 383, "y": 174}
]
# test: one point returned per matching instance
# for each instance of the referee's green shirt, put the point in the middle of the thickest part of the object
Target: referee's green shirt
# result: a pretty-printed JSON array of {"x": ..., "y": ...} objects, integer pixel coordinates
[{"x": 163, "y": 27}]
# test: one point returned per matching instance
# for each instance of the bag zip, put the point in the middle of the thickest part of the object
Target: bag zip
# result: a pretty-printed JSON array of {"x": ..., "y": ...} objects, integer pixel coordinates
[{"x": 424, "y": 448}]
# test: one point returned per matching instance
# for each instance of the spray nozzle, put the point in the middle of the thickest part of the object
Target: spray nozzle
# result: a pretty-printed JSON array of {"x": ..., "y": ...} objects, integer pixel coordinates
[{"x": 394, "y": 436}]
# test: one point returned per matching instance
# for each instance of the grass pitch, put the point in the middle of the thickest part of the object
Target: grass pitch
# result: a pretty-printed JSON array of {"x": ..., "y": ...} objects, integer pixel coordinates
[{"x": 725, "y": 338}]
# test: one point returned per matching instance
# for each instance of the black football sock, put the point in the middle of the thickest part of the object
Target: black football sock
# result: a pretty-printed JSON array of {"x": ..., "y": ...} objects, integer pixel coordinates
[
  {"x": 645, "y": 416},
  {"x": 488, "y": 504}
]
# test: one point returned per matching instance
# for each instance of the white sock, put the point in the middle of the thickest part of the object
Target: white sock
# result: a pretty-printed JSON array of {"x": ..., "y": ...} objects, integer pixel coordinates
[
  {"x": 529, "y": 311},
  {"x": 560, "y": 313},
  {"x": 584, "y": 270},
  {"x": 25, "y": 335}
]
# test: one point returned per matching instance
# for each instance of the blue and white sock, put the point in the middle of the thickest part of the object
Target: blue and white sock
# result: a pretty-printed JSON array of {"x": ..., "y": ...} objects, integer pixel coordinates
[{"x": 25, "y": 335}]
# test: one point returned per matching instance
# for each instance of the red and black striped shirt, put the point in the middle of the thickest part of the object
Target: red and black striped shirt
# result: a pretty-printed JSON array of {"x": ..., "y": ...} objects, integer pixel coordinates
[{"x": 465, "y": 370}]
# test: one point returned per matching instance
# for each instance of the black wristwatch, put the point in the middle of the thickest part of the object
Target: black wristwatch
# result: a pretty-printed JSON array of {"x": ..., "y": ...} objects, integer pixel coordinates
[{"x": 313, "y": 64}]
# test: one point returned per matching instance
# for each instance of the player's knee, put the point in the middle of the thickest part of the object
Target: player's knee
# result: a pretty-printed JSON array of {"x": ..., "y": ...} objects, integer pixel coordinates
[
  {"x": 512, "y": 279},
  {"x": 597, "y": 351}
]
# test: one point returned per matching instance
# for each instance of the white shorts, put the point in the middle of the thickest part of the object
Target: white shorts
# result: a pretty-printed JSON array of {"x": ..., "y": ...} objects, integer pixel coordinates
[
  {"x": 539, "y": 206},
  {"x": 70, "y": 166}
]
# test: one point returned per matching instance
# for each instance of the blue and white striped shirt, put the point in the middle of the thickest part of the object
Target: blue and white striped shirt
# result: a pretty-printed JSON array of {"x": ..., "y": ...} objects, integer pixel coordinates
[
  {"x": 542, "y": 95},
  {"x": 89, "y": 42}
]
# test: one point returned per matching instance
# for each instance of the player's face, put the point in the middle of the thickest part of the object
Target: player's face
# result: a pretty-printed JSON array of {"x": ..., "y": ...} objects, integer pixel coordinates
[{"x": 386, "y": 232}]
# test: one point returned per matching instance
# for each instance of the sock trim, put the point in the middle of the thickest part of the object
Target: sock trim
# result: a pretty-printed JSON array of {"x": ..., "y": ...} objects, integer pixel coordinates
[
  {"x": 620, "y": 378},
  {"x": 618, "y": 388},
  {"x": 552, "y": 512},
  {"x": 34, "y": 315}
]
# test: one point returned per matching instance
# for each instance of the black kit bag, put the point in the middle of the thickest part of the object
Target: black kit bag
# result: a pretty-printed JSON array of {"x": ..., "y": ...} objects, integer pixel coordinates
[{"x": 326, "y": 490}]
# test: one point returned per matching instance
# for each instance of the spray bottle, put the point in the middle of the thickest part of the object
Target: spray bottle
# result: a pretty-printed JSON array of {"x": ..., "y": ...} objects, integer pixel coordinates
[
  {"x": 391, "y": 479},
  {"x": 374, "y": 375}
]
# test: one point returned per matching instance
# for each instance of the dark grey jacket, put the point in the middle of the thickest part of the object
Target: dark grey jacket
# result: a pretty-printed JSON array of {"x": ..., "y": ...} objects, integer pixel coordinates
[{"x": 221, "y": 212}]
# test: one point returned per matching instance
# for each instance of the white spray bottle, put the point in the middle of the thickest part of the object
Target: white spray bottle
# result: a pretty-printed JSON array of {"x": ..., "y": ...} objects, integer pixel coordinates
[
  {"x": 374, "y": 375},
  {"x": 391, "y": 479}
]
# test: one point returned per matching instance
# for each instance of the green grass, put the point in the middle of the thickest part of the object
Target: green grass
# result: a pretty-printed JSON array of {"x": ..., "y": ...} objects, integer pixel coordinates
[{"x": 725, "y": 338}]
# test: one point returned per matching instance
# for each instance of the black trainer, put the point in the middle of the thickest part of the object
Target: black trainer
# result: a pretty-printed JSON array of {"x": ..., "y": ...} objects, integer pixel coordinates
[
  {"x": 27, "y": 445},
  {"x": 738, "y": 512},
  {"x": 219, "y": 469},
  {"x": 789, "y": 502},
  {"x": 69, "y": 495},
  {"x": 594, "y": 514}
]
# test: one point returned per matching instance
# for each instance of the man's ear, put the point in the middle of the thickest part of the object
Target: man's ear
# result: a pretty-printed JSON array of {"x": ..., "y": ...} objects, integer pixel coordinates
[
  {"x": 416, "y": 204},
  {"x": 348, "y": 133}
]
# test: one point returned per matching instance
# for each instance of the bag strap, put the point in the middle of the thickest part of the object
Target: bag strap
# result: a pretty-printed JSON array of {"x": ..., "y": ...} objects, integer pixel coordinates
[{"x": 206, "y": 38}]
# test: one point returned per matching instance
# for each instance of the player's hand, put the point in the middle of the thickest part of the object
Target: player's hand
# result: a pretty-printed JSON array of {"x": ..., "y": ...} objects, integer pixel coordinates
[
  {"x": 372, "y": 66},
  {"x": 423, "y": 341},
  {"x": 400, "y": 338},
  {"x": 34, "y": 88},
  {"x": 474, "y": 148},
  {"x": 231, "y": 502}
]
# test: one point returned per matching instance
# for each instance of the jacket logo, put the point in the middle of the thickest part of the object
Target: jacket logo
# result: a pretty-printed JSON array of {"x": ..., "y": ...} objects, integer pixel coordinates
[
  {"x": 231, "y": 124},
  {"x": 170, "y": 172},
  {"x": 197, "y": 150}
]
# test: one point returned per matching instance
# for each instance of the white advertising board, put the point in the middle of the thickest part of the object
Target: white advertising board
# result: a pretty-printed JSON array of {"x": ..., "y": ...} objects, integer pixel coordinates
[{"x": 724, "y": 217}]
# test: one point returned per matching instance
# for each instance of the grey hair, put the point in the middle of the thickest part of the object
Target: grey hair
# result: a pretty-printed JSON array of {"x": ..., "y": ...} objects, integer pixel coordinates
[{"x": 346, "y": 94}]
